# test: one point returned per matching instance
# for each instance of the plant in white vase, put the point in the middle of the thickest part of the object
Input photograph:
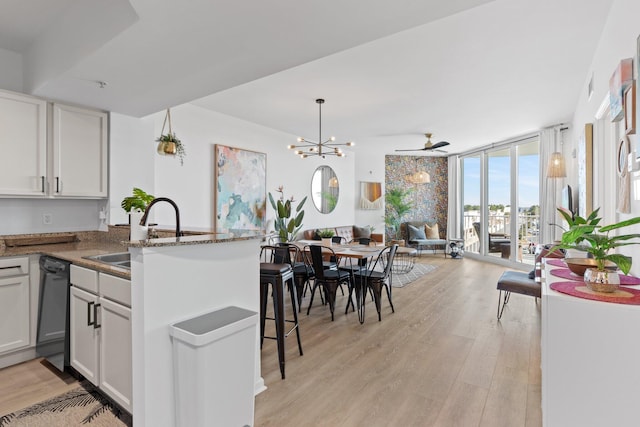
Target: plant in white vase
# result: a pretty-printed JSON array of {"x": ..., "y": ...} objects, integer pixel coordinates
[{"x": 599, "y": 243}]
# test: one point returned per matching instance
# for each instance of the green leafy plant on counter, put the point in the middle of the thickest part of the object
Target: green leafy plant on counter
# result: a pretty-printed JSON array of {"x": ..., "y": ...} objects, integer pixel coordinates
[
  {"x": 137, "y": 202},
  {"x": 599, "y": 241},
  {"x": 286, "y": 225}
]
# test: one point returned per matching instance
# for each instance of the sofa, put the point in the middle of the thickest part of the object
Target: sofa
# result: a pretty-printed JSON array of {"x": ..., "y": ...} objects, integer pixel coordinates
[
  {"x": 425, "y": 235},
  {"x": 348, "y": 232}
]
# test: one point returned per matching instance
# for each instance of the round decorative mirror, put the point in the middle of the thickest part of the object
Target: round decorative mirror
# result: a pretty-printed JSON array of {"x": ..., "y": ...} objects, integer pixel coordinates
[{"x": 325, "y": 189}]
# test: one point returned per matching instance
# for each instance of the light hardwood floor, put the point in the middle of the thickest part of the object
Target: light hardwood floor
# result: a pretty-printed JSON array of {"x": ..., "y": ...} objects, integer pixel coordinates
[{"x": 442, "y": 359}]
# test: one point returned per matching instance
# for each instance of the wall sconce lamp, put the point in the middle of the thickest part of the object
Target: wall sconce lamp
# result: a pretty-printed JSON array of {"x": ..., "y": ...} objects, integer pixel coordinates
[{"x": 556, "y": 168}]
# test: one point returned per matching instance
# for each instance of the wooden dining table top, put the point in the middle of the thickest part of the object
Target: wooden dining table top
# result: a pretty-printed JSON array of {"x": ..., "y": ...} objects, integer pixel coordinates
[{"x": 349, "y": 250}]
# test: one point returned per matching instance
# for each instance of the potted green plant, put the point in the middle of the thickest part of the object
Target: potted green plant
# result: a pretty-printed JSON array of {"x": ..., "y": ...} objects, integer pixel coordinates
[
  {"x": 396, "y": 208},
  {"x": 138, "y": 202},
  {"x": 135, "y": 205},
  {"x": 586, "y": 234},
  {"x": 287, "y": 226},
  {"x": 326, "y": 236},
  {"x": 168, "y": 143}
]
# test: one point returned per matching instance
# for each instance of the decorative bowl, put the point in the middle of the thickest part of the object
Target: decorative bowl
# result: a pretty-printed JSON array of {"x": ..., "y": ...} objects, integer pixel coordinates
[{"x": 579, "y": 265}]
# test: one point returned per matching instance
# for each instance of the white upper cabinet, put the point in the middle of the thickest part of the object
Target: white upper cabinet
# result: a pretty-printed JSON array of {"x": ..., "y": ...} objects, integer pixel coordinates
[
  {"x": 79, "y": 152},
  {"x": 23, "y": 126}
]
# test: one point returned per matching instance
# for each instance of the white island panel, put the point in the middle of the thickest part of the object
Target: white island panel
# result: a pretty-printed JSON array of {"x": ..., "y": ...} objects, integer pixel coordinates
[
  {"x": 590, "y": 360},
  {"x": 175, "y": 283}
]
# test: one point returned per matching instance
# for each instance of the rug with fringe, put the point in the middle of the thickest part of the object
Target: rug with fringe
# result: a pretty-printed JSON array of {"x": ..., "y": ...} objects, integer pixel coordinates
[{"x": 81, "y": 406}]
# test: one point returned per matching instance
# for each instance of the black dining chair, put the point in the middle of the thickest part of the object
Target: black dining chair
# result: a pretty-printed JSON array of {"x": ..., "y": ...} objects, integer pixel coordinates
[
  {"x": 329, "y": 279},
  {"x": 377, "y": 278},
  {"x": 338, "y": 240},
  {"x": 303, "y": 271}
]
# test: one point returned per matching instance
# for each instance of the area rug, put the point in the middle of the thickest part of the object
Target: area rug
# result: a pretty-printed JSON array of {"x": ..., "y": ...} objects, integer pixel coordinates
[
  {"x": 403, "y": 279},
  {"x": 81, "y": 406}
]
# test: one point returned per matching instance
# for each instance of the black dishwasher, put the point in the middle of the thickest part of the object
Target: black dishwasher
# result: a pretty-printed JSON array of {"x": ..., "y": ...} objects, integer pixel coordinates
[{"x": 52, "y": 341}]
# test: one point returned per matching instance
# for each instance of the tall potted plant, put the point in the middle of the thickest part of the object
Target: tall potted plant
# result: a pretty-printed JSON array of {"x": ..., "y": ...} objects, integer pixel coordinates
[
  {"x": 396, "y": 208},
  {"x": 598, "y": 243},
  {"x": 286, "y": 225}
]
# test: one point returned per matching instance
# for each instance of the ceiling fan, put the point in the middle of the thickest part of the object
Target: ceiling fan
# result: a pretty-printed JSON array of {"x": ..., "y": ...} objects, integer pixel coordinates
[{"x": 429, "y": 146}]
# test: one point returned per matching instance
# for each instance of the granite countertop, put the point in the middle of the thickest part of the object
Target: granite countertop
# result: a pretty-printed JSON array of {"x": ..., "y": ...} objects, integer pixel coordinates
[
  {"x": 114, "y": 241},
  {"x": 74, "y": 253},
  {"x": 197, "y": 239}
]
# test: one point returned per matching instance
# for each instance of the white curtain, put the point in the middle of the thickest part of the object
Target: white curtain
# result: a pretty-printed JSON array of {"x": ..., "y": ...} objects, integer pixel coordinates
[{"x": 549, "y": 187}]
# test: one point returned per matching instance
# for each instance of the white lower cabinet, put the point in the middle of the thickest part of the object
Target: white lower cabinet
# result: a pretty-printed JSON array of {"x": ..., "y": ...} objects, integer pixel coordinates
[
  {"x": 85, "y": 336},
  {"x": 115, "y": 352},
  {"x": 14, "y": 303},
  {"x": 101, "y": 332}
]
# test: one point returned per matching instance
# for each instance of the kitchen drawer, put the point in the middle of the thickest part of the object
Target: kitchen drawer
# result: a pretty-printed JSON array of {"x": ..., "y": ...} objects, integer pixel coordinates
[
  {"x": 10, "y": 267},
  {"x": 115, "y": 289},
  {"x": 84, "y": 278}
]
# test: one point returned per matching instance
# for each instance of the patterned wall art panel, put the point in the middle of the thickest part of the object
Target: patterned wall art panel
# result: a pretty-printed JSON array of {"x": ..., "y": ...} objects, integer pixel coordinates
[
  {"x": 430, "y": 199},
  {"x": 240, "y": 189}
]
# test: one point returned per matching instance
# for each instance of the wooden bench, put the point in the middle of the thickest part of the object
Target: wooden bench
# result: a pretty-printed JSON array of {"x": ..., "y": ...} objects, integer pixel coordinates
[{"x": 519, "y": 283}]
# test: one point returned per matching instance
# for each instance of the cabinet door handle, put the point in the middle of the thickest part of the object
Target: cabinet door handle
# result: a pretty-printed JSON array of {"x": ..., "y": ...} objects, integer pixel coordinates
[
  {"x": 57, "y": 184},
  {"x": 42, "y": 182},
  {"x": 95, "y": 317},
  {"x": 89, "y": 322}
]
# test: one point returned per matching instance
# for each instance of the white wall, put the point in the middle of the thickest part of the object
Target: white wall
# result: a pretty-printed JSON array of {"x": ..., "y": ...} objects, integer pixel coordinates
[
  {"x": 191, "y": 185},
  {"x": 618, "y": 41},
  {"x": 369, "y": 168},
  {"x": 11, "y": 70},
  {"x": 25, "y": 216},
  {"x": 131, "y": 161}
]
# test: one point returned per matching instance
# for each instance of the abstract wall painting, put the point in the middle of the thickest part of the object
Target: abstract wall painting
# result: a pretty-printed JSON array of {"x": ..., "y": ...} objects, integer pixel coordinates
[{"x": 240, "y": 190}]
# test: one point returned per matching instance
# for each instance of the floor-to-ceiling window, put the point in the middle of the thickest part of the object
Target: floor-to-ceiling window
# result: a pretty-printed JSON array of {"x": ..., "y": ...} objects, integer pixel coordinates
[
  {"x": 500, "y": 193},
  {"x": 471, "y": 174}
]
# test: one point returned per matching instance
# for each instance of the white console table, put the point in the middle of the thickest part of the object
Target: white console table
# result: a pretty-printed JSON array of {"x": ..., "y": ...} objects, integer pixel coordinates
[{"x": 590, "y": 360}]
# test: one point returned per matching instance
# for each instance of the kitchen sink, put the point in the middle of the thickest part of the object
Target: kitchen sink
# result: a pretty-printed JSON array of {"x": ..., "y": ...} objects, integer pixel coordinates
[{"x": 121, "y": 259}]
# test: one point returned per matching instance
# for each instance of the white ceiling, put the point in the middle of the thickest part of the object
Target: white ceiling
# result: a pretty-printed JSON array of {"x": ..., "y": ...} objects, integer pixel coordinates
[{"x": 470, "y": 71}]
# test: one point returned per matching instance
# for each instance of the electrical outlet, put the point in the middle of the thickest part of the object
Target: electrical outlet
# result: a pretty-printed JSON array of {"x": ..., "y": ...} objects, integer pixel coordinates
[{"x": 47, "y": 219}]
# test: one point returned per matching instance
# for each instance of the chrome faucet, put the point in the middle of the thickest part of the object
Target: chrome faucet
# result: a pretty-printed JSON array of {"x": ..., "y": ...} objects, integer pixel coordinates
[{"x": 143, "y": 221}]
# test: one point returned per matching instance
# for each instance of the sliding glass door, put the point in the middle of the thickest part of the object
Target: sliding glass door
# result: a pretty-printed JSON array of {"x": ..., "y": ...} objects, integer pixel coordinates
[
  {"x": 471, "y": 174},
  {"x": 500, "y": 193}
]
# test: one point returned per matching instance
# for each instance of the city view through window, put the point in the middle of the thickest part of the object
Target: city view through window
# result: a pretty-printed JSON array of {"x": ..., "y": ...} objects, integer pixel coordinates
[{"x": 501, "y": 211}]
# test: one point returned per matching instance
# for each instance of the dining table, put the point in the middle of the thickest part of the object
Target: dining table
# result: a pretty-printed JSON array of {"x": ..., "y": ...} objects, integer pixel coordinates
[{"x": 363, "y": 254}]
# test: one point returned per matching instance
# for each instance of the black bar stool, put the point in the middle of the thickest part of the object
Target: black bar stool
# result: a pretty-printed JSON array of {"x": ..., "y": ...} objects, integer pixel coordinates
[{"x": 277, "y": 275}]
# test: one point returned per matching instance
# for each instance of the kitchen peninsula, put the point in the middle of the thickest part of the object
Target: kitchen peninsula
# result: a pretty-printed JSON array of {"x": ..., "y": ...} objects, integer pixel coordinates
[{"x": 174, "y": 279}]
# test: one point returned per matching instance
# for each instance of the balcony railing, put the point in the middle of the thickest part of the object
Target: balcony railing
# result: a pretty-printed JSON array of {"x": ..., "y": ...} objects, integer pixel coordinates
[{"x": 528, "y": 232}]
